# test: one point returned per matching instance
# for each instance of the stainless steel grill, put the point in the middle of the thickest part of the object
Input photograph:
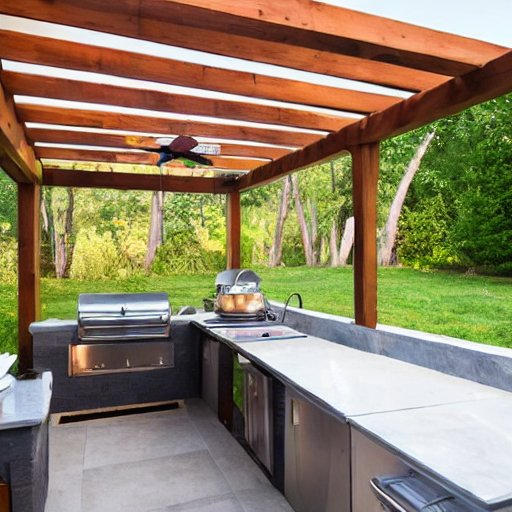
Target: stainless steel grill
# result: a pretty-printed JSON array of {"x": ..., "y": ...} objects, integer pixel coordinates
[{"x": 123, "y": 316}]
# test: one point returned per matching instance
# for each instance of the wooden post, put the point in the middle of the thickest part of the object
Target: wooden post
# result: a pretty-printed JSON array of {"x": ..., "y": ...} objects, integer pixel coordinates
[
  {"x": 233, "y": 230},
  {"x": 5, "y": 498},
  {"x": 28, "y": 268},
  {"x": 365, "y": 175}
]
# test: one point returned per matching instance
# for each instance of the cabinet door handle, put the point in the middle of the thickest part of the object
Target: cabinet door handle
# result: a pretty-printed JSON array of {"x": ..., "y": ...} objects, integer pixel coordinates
[{"x": 295, "y": 413}]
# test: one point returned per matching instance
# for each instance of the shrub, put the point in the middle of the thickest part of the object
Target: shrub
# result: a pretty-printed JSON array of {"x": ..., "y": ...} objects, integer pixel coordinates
[
  {"x": 95, "y": 256},
  {"x": 8, "y": 260}
]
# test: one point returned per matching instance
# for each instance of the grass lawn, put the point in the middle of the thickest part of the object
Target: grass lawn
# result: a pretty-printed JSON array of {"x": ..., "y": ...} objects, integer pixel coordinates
[{"x": 475, "y": 308}]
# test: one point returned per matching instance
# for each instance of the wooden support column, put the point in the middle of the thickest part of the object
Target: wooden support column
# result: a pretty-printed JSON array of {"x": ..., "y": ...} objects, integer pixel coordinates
[
  {"x": 28, "y": 268},
  {"x": 365, "y": 174},
  {"x": 233, "y": 230}
]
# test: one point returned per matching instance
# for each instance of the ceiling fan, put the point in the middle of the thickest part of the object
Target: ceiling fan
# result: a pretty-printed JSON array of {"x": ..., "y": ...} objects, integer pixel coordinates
[{"x": 183, "y": 148}]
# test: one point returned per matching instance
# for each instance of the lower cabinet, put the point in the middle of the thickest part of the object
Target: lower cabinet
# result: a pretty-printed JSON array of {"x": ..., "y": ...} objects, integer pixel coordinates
[{"x": 317, "y": 458}]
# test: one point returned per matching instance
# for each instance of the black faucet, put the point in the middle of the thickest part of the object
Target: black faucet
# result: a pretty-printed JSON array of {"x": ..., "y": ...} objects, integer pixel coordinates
[{"x": 295, "y": 294}]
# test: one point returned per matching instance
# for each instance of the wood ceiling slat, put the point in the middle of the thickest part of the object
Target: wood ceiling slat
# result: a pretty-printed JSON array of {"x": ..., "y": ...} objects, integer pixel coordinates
[
  {"x": 52, "y": 52},
  {"x": 16, "y": 156},
  {"x": 53, "y": 177},
  {"x": 87, "y": 155},
  {"x": 298, "y": 23},
  {"x": 490, "y": 81},
  {"x": 74, "y": 90},
  {"x": 115, "y": 121},
  {"x": 119, "y": 141}
]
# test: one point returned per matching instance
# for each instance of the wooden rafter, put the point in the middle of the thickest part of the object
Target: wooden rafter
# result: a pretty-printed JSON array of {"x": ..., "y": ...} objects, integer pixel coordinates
[
  {"x": 74, "y": 90},
  {"x": 115, "y": 121},
  {"x": 119, "y": 141},
  {"x": 53, "y": 177},
  {"x": 86, "y": 155},
  {"x": 16, "y": 156},
  {"x": 53, "y": 52},
  {"x": 492, "y": 80},
  {"x": 299, "y": 23}
]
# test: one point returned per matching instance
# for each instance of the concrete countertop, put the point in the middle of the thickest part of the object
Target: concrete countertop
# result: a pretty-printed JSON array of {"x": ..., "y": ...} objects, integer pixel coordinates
[
  {"x": 455, "y": 429},
  {"x": 26, "y": 403}
]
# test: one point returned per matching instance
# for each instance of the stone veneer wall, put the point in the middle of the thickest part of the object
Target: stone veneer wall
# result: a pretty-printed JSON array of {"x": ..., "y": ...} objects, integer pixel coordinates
[
  {"x": 52, "y": 339},
  {"x": 481, "y": 363}
]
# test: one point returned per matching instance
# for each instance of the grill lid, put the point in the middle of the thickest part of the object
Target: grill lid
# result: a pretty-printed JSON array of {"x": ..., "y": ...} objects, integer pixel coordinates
[{"x": 136, "y": 315}]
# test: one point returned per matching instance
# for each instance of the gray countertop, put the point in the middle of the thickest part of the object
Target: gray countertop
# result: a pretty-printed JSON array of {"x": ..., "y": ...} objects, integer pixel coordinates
[
  {"x": 457, "y": 429},
  {"x": 26, "y": 403}
]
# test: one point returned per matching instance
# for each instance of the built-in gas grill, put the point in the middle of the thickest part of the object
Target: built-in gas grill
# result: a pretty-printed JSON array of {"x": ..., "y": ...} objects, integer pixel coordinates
[
  {"x": 123, "y": 316},
  {"x": 122, "y": 332}
]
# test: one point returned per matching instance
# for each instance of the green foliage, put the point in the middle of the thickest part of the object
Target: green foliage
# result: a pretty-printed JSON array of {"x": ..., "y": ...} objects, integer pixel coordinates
[
  {"x": 182, "y": 253},
  {"x": 8, "y": 256},
  {"x": 8, "y": 205},
  {"x": 95, "y": 256},
  {"x": 424, "y": 236}
]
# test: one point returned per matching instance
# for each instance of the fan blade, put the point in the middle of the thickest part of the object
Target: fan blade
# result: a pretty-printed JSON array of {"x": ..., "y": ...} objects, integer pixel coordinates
[
  {"x": 182, "y": 144},
  {"x": 165, "y": 157},
  {"x": 195, "y": 158}
]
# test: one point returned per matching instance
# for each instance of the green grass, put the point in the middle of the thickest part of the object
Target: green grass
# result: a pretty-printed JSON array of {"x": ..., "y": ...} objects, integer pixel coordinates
[{"x": 477, "y": 308}]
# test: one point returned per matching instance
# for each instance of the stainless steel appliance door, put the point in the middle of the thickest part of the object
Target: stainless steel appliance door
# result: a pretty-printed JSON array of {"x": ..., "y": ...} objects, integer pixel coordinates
[
  {"x": 258, "y": 415},
  {"x": 317, "y": 458},
  {"x": 210, "y": 373}
]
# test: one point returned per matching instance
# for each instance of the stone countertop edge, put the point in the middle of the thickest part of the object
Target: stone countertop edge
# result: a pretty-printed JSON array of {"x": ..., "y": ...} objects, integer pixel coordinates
[{"x": 27, "y": 404}]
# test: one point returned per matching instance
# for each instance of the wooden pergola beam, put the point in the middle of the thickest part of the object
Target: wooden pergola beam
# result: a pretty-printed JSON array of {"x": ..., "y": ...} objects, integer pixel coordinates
[
  {"x": 16, "y": 156},
  {"x": 74, "y": 90},
  {"x": 233, "y": 230},
  {"x": 116, "y": 121},
  {"x": 86, "y": 155},
  {"x": 492, "y": 80},
  {"x": 365, "y": 177},
  {"x": 206, "y": 25},
  {"x": 54, "y": 52},
  {"x": 54, "y": 177},
  {"x": 120, "y": 141},
  {"x": 28, "y": 268}
]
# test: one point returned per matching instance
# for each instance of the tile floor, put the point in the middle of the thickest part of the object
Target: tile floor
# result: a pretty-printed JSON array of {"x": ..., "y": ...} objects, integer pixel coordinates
[{"x": 181, "y": 460}]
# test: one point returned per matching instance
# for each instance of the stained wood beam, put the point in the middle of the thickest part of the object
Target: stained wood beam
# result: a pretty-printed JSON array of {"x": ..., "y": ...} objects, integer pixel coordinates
[
  {"x": 492, "y": 80},
  {"x": 240, "y": 29},
  {"x": 53, "y": 52},
  {"x": 233, "y": 230},
  {"x": 74, "y": 90},
  {"x": 120, "y": 141},
  {"x": 365, "y": 176},
  {"x": 28, "y": 268},
  {"x": 54, "y": 177},
  {"x": 136, "y": 158},
  {"x": 115, "y": 121},
  {"x": 16, "y": 156}
]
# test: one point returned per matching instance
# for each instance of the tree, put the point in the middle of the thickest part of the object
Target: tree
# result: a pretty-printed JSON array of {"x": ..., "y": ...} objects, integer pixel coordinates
[
  {"x": 388, "y": 234},
  {"x": 156, "y": 223},
  {"x": 307, "y": 240},
  {"x": 61, "y": 206},
  {"x": 276, "y": 251}
]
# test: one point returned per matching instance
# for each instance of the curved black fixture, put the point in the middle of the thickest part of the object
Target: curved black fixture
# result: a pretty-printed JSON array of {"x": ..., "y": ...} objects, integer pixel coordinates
[{"x": 294, "y": 294}]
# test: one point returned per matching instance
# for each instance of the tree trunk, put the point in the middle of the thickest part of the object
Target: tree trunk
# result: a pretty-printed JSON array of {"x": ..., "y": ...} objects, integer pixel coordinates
[
  {"x": 306, "y": 238},
  {"x": 314, "y": 232},
  {"x": 155, "y": 227},
  {"x": 63, "y": 226},
  {"x": 347, "y": 241},
  {"x": 276, "y": 251},
  {"x": 333, "y": 245},
  {"x": 333, "y": 177},
  {"x": 388, "y": 236}
]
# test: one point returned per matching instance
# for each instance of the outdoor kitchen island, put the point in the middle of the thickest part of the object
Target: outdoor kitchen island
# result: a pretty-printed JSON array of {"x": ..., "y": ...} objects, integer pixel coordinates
[{"x": 397, "y": 419}]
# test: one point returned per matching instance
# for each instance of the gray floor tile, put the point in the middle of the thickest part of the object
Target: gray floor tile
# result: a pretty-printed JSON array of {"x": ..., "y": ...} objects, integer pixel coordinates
[
  {"x": 263, "y": 500},
  {"x": 64, "y": 492},
  {"x": 150, "y": 484},
  {"x": 67, "y": 447},
  {"x": 239, "y": 469},
  {"x": 225, "y": 503},
  {"x": 133, "y": 441}
]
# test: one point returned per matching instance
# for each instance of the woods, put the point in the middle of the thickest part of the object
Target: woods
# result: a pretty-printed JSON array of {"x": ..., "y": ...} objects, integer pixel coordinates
[{"x": 445, "y": 201}]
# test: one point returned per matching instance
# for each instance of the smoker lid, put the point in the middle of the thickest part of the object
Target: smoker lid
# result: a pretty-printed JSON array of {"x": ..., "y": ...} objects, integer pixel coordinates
[
  {"x": 227, "y": 277},
  {"x": 122, "y": 303}
]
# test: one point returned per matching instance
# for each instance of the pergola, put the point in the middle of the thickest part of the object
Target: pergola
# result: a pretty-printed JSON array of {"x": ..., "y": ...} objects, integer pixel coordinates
[{"x": 292, "y": 124}]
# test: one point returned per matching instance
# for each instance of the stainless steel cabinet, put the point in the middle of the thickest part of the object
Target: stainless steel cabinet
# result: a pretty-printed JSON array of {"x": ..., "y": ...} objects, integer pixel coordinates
[
  {"x": 317, "y": 458},
  {"x": 258, "y": 412}
]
